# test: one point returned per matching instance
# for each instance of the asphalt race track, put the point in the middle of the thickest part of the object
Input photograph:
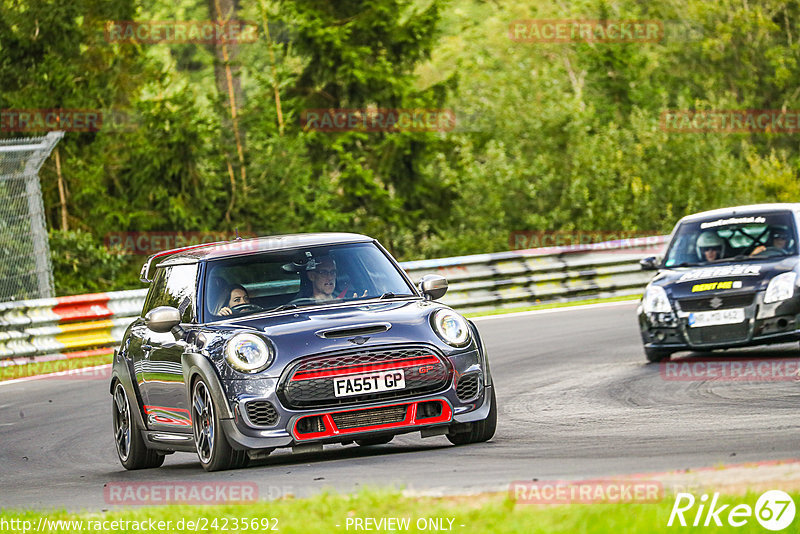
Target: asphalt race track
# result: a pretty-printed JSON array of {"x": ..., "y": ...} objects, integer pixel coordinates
[{"x": 577, "y": 400}]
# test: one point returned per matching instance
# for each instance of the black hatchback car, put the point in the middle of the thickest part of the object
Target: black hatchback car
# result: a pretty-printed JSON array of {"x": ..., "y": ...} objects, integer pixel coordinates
[
  {"x": 292, "y": 341},
  {"x": 729, "y": 279}
]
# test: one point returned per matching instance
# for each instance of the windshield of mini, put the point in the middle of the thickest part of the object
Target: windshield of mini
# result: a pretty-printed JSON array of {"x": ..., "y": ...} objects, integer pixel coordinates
[
  {"x": 734, "y": 238},
  {"x": 305, "y": 277}
]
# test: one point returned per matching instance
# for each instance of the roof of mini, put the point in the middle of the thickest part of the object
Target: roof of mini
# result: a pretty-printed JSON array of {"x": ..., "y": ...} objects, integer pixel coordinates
[
  {"x": 241, "y": 247},
  {"x": 749, "y": 209}
]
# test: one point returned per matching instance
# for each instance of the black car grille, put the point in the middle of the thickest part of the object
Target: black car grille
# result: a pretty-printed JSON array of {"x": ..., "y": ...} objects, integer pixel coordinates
[
  {"x": 262, "y": 413},
  {"x": 376, "y": 416},
  {"x": 311, "y": 382},
  {"x": 721, "y": 302},
  {"x": 468, "y": 386},
  {"x": 728, "y": 333}
]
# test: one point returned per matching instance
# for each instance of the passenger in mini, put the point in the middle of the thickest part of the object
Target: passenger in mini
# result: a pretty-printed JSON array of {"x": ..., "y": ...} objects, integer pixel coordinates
[
  {"x": 710, "y": 247},
  {"x": 237, "y": 295}
]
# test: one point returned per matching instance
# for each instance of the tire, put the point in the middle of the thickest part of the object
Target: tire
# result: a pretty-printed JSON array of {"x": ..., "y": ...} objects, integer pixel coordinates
[
  {"x": 656, "y": 356},
  {"x": 131, "y": 450},
  {"x": 213, "y": 449},
  {"x": 477, "y": 431},
  {"x": 369, "y": 442}
]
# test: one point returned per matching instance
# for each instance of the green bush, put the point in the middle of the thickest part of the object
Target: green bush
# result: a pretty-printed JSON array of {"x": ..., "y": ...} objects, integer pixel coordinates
[{"x": 81, "y": 265}]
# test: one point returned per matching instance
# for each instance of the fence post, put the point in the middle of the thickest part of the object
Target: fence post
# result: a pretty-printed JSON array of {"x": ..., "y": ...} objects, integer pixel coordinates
[{"x": 21, "y": 159}]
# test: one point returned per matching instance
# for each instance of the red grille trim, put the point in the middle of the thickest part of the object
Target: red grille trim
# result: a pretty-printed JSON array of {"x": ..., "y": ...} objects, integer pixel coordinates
[
  {"x": 410, "y": 420},
  {"x": 364, "y": 368}
]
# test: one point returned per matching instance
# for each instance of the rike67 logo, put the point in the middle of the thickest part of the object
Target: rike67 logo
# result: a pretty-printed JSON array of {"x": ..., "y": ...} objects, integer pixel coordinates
[{"x": 774, "y": 510}]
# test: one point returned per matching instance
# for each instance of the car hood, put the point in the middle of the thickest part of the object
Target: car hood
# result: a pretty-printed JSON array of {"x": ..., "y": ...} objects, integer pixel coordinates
[
  {"x": 734, "y": 276},
  {"x": 298, "y": 333}
]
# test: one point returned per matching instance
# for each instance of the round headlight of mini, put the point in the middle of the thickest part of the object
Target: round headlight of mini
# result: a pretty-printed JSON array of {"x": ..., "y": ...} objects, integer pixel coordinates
[
  {"x": 451, "y": 327},
  {"x": 248, "y": 353}
]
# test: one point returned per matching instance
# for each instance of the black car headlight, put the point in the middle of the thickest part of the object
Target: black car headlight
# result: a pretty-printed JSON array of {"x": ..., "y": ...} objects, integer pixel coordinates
[
  {"x": 451, "y": 327},
  {"x": 248, "y": 353}
]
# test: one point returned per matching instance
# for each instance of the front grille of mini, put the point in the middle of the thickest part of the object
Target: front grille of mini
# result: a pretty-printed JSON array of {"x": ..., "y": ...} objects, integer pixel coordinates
[
  {"x": 319, "y": 392},
  {"x": 468, "y": 386},
  {"x": 372, "y": 417},
  {"x": 262, "y": 413}
]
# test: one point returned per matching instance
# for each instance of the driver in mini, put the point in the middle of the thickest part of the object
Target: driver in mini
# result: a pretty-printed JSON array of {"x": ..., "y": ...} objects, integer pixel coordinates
[
  {"x": 322, "y": 274},
  {"x": 237, "y": 296},
  {"x": 323, "y": 278},
  {"x": 710, "y": 247}
]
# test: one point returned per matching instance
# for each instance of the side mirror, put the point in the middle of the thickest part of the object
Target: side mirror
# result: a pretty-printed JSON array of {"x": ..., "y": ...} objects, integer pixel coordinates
[
  {"x": 649, "y": 264},
  {"x": 162, "y": 319},
  {"x": 432, "y": 286}
]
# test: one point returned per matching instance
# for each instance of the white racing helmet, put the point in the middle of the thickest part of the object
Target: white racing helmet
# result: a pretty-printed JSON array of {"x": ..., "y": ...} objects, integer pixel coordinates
[{"x": 709, "y": 240}]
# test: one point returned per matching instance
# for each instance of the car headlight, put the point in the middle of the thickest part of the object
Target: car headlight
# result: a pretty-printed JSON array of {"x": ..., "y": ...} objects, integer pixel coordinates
[
  {"x": 780, "y": 288},
  {"x": 656, "y": 300},
  {"x": 248, "y": 353},
  {"x": 451, "y": 327}
]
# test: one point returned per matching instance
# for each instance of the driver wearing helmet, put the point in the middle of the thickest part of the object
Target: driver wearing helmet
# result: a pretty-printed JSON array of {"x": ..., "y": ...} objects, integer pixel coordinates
[{"x": 710, "y": 246}]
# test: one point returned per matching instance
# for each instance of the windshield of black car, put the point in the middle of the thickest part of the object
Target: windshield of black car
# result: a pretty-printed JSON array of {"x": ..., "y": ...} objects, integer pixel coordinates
[
  {"x": 306, "y": 277},
  {"x": 733, "y": 238}
]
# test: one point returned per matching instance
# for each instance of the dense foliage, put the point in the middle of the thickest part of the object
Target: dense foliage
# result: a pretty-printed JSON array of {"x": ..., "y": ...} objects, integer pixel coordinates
[{"x": 549, "y": 136}]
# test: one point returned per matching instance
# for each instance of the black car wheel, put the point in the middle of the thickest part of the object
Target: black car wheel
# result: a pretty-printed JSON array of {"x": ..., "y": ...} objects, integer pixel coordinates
[
  {"x": 368, "y": 442},
  {"x": 477, "y": 431},
  {"x": 132, "y": 452},
  {"x": 656, "y": 356},
  {"x": 213, "y": 450}
]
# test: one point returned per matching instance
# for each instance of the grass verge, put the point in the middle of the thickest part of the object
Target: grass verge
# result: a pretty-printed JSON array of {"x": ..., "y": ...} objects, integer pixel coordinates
[{"x": 327, "y": 513}]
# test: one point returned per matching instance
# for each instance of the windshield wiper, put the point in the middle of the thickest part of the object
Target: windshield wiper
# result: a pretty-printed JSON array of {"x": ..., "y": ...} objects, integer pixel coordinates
[
  {"x": 285, "y": 307},
  {"x": 390, "y": 295}
]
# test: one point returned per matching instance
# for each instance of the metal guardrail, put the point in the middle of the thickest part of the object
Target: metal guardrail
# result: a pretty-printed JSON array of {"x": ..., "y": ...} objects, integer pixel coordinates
[{"x": 86, "y": 325}]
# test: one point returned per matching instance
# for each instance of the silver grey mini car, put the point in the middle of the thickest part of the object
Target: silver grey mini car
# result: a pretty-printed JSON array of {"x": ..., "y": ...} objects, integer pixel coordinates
[{"x": 292, "y": 341}]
